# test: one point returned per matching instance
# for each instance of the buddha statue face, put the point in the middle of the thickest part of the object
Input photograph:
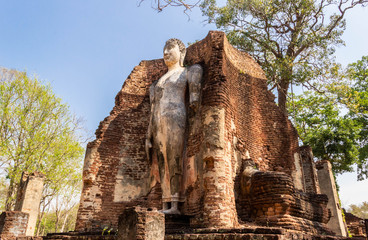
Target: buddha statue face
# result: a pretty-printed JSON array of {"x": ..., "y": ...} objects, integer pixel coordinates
[
  {"x": 174, "y": 52},
  {"x": 171, "y": 54}
]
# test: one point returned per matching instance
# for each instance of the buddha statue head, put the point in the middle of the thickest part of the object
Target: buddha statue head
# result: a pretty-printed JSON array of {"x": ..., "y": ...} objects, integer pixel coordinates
[{"x": 174, "y": 52}]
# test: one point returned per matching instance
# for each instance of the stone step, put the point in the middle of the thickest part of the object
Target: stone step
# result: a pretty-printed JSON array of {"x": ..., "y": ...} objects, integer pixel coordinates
[
  {"x": 247, "y": 233},
  {"x": 176, "y": 222},
  {"x": 223, "y": 236}
]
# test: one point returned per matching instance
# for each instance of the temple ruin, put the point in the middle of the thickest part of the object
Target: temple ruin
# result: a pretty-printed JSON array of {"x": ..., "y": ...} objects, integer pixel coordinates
[
  {"x": 244, "y": 174},
  {"x": 243, "y": 165}
]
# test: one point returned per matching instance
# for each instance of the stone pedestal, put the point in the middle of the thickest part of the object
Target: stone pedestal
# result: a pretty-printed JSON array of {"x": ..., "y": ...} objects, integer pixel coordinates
[
  {"x": 13, "y": 224},
  {"x": 328, "y": 187},
  {"x": 141, "y": 223},
  {"x": 29, "y": 197}
]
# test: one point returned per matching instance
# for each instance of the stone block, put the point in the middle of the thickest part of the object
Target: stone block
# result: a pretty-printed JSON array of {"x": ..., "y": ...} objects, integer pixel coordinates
[{"x": 141, "y": 223}]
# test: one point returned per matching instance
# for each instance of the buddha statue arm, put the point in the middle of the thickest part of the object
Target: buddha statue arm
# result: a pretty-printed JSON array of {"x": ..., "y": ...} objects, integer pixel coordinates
[
  {"x": 148, "y": 144},
  {"x": 195, "y": 73}
]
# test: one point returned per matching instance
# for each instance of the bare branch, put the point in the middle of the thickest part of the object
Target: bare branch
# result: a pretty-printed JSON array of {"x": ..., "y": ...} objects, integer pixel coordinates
[
  {"x": 310, "y": 86},
  {"x": 160, "y": 5}
]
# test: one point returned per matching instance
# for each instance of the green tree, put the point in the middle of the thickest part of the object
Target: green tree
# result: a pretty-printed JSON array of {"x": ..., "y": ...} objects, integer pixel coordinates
[
  {"x": 360, "y": 210},
  {"x": 320, "y": 124},
  {"x": 293, "y": 40},
  {"x": 357, "y": 103},
  {"x": 66, "y": 224},
  {"x": 61, "y": 193},
  {"x": 63, "y": 209},
  {"x": 335, "y": 122},
  {"x": 37, "y": 133},
  {"x": 3, "y": 188}
]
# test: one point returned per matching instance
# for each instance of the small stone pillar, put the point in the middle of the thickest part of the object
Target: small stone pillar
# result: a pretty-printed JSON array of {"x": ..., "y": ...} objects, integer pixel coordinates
[
  {"x": 141, "y": 223},
  {"x": 13, "y": 224},
  {"x": 328, "y": 187},
  {"x": 29, "y": 197},
  {"x": 309, "y": 168}
]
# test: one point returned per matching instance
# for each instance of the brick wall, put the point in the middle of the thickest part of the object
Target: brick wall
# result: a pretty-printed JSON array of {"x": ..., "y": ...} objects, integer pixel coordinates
[
  {"x": 275, "y": 202},
  {"x": 13, "y": 224},
  {"x": 116, "y": 172}
]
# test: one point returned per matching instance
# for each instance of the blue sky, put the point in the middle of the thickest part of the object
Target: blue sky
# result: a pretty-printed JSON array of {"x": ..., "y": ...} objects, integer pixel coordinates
[{"x": 86, "y": 49}]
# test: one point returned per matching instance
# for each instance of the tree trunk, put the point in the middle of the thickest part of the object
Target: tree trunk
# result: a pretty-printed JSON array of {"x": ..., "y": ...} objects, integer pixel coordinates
[
  {"x": 282, "y": 90},
  {"x": 9, "y": 203},
  {"x": 40, "y": 218},
  {"x": 38, "y": 227},
  {"x": 57, "y": 213},
  {"x": 57, "y": 220},
  {"x": 64, "y": 222}
]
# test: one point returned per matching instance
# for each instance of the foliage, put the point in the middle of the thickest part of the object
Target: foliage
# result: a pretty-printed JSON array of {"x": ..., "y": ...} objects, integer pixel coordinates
[
  {"x": 3, "y": 190},
  {"x": 65, "y": 224},
  {"x": 293, "y": 40},
  {"x": 360, "y": 210},
  {"x": 37, "y": 133},
  {"x": 62, "y": 201},
  {"x": 357, "y": 103},
  {"x": 335, "y": 122},
  {"x": 320, "y": 125}
]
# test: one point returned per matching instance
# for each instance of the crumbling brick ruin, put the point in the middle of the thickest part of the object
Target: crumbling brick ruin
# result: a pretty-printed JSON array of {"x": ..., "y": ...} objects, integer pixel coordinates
[
  {"x": 13, "y": 224},
  {"x": 22, "y": 221},
  {"x": 355, "y": 225},
  {"x": 243, "y": 165}
]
